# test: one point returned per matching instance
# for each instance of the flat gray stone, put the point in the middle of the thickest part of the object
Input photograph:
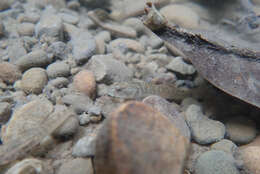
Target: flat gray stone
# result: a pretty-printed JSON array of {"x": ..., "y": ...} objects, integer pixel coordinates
[{"x": 109, "y": 70}]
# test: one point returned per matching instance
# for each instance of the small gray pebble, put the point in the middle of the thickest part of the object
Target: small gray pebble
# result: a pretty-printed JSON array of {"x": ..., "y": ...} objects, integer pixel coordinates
[
  {"x": 85, "y": 147},
  {"x": 206, "y": 131},
  {"x": 226, "y": 146},
  {"x": 58, "y": 69},
  {"x": 80, "y": 103},
  {"x": 216, "y": 162},
  {"x": 109, "y": 70}
]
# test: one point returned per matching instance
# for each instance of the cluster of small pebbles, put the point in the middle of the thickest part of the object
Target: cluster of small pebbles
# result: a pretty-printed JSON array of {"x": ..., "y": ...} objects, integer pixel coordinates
[{"x": 58, "y": 59}]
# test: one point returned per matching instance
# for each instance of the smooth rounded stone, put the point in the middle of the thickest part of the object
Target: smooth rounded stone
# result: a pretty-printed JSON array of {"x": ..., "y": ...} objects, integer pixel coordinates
[
  {"x": 107, "y": 104},
  {"x": 5, "y": 112},
  {"x": 109, "y": 70},
  {"x": 59, "y": 50},
  {"x": 251, "y": 159},
  {"x": 104, "y": 35},
  {"x": 29, "y": 17},
  {"x": 58, "y": 69},
  {"x": 28, "y": 166},
  {"x": 69, "y": 18},
  {"x": 34, "y": 80},
  {"x": 85, "y": 82},
  {"x": 178, "y": 65},
  {"x": 206, "y": 131},
  {"x": 37, "y": 58},
  {"x": 127, "y": 45},
  {"x": 16, "y": 50},
  {"x": 185, "y": 103},
  {"x": 171, "y": 112},
  {"x": 241, "y": 130},
  {"x": 140, "y": 129},
  {"x": 195, "y": 151},
  {"x": 26, "y": 118},
  {"x": 76, "y": 166},
  {"x": 26, "y": 29},
  {"x": 85, "y": 147},
  {"x": 50, "y": 28},
  {"x": 136, "y": 24},
  {"x": 226, "y": 146},
  {"x": 181, "y": 15},
  {"x": 70, "y": 127},
  {"x": 79, "y": 103},
  {"x": 83, "y": 43},
  {"x": 193, "y": 113},
  {"x": 9, "y": 73},
  {"x": 216, "y": 162},
  {"x": 59, "y": 82}
]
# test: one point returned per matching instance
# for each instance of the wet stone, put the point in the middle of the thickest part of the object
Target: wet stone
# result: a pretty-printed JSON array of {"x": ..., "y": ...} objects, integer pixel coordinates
[
  {"x": 50, "y": 28},
  {"x": 9, "y": 73},
  {"x": 178, "y": 65},
  {"x": 206, "y": 131},
  {"x": 58, "y": 69},
  {"x": 109, "y": 70},
  {"x": 216, "y": 162},
  {"x": 241, "y": 130},
  {"x": 26, "y": 118},
  {"x": 79, "y": 103},
  {"x": 132, "y": 122},
  {"x": 34, "y": 80},
  {"x": 85, "y": 147},
  {"x": 226, "y": 146},
  {"x": 37, "y": 58},
  {"x": 171, "y": 112},
  {"x": 26, "y": 29},
  {"x": 76, "y": 166},
  {"x": 5, "y": 112},
  {"x": 85, "y": 82},
  {"x": 83, "y": 43}
]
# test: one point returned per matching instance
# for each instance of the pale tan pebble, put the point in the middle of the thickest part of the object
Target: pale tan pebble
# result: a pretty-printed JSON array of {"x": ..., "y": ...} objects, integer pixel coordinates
[
  {"x": 181, "y": 15},
  {"x": 131, "y": 44},
  {"x": 9, "y": 73},
  {"x": 85, "y": 82},
  {"x": 34, "y": 80},
  {"x": 251, "y": 159},
  {"x": 26, "y": 29},
  {"x": 77, "y": 166}
]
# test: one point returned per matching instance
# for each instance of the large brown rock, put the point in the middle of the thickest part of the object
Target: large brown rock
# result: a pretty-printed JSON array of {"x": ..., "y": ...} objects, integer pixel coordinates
[{"x": 138, "y": 139}]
